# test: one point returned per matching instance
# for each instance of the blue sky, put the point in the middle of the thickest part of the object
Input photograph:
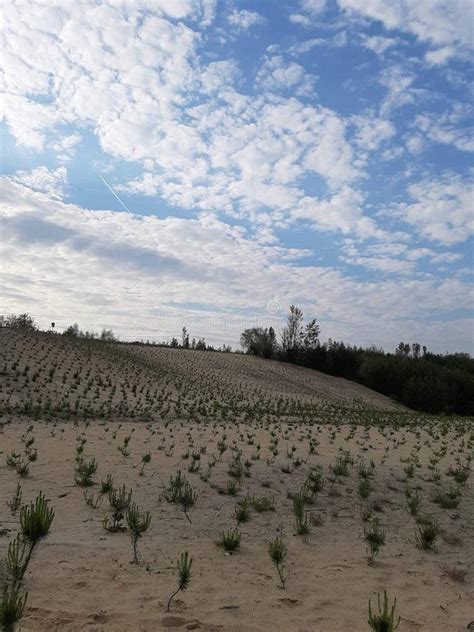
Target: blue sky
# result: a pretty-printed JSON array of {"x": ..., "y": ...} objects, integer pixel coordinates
[{"x": 209, "y": 162}]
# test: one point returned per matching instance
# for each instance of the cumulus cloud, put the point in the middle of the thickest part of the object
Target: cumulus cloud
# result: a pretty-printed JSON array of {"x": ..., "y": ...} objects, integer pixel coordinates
[
  {"x": 441, "y": 23},
  {"x": 244, "y": 19},
  {"x": 51, "y": 182},
  {"x": 441, "y": 209},
  {"x": 379, "y": 44}
]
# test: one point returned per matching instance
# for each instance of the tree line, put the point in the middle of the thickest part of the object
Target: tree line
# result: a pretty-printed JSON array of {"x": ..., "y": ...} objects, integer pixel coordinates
[{"x": 414, "y": 376}]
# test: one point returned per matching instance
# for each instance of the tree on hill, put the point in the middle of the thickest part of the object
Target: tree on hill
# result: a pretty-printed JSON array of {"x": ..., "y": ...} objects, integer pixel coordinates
[
  {"x": 21, "y": 321},
  {"x": 259, "y": 341}
]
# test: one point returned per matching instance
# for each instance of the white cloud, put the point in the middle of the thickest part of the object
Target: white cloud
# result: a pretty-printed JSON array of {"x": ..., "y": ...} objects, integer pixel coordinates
[
  {"x": 244, "y": 19},
  {"x": 399, "y": 89},
  {"x": 307, "y": 46},
  {"x": 440, "y": 23},
  {"x": 309, "y": 10},
  {"x": 379, "y": 44},
  {"x": 148, "y": 272},
  {"x": 442, "y": 209},
  {"x": 278, "y": 75},
  {"x": 143, "y": 90},
  {"x": 52, "y": 183},
  {"x": 445, "y": 129},
  {"x": 372, "y": 131},
  {"x": 440, "y": 56}
]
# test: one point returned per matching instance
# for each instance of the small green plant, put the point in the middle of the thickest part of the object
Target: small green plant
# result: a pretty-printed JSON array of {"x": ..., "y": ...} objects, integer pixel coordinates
[
  {"x": 364, "y": 488},
  {"x": 427, "y": 535},
  {"x": 23, "y": 468},
  {"x": 184, "y": 565},
  {"x": 85, "y": 470},
  {"x": 232, "y": 486},
  {"x": 375, "y": 539},
  {"x": 242, "y": 510},
  {"x": 448, "y": 498},
  {"x": 366, "y": 512},
  {"x": 35, "y": 523},
  {"x": 230, "y": 540},
  {"x": 303, "y": 524},
  {"x": 459, "y": 473},
  {"x": 107, "y": 485},
  {"x": 263, "y": 503},
  {"x": 119, "y": 500},
  {"x": 15, "y": 502},
  {"x": 413, "y": 502},
  {"x": 384, "y": 620},
  {"x": 173, "y": 491},
  {"x": 277, "y": 551},
  {"x": 16, "y": 561},
  {"x": 340, "y": 468},
  {"x": 138, "y": 524},
  {"x": 187, "y": 499},
  {"x": 12, "y": 606}
]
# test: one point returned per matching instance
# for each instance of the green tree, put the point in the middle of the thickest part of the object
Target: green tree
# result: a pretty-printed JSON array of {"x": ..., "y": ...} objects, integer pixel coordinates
[{"x": 293, "y": 334}]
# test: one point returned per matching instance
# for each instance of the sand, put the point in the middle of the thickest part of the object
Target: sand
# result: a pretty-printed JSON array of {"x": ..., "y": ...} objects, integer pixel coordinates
[{"x": 81, "y": 578}]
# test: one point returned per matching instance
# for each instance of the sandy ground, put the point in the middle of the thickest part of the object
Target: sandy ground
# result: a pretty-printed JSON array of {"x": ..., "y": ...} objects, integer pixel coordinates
[
  {"x": 81, "y": 578},
  {"x": 64, "y": 376}
]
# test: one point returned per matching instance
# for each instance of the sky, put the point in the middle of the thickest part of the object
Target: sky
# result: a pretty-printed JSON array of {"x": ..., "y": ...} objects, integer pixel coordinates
[{"x": 209, "y": 162}]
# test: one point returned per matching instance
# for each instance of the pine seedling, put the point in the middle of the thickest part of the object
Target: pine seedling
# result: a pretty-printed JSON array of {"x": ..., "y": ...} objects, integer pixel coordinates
[
  {"x": 366, "y": 513},
  {"x": 232, "y": 486},
  {"x": 17, "y": 555},
  {"x": 85, "y": 470},
  {"x": 119, "y": 500},
  {"x": 364, "y": 488},
  {"x": 427, "y": 535},
  {"x": 107, "y": 485},
  {"x": 184, "y": 575},
  {"x": 138, "y": 524},
  {"x": 242, "y": 510},
  {"x": 187, "y": 499},
  {"x": 173, "y": 492},
  {"x": 12, "y": 606},
  {"x": 277, "y": 552},
  {"x": 230, "y": 540},
  {"x": 384, "y": 620},
  {"x": 15, "y": 502},
  {"x": 263, "y": 503},
  {"x": 413, "y": 502},
  {"x": 23, "y": 468},
  {"x": 35, "y": 523},
  {"x": 302, "y": 524},
  {"x": 36, "y": 519},
  {"x": 375, "y": 538}
]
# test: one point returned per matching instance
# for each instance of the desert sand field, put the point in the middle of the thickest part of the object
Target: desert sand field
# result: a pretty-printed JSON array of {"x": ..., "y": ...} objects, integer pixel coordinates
[{"x": 318, "y": 462}]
